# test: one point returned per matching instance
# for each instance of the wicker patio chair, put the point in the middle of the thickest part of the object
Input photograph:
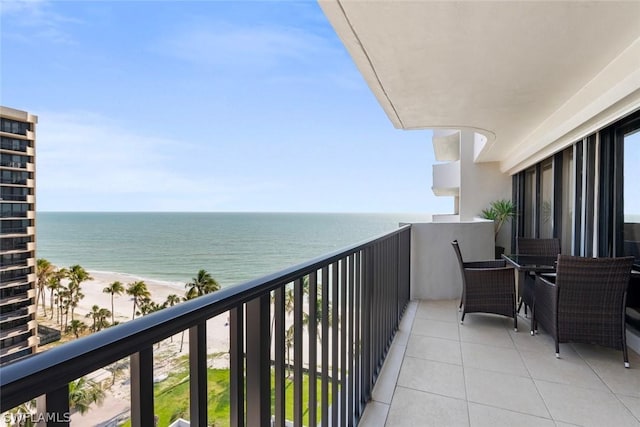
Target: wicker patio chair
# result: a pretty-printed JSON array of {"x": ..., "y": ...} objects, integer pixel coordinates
[
  {"x": 537, "y": 247},
  {"x": 487, "y": 287},
  {"x": 586, "y": 303}
]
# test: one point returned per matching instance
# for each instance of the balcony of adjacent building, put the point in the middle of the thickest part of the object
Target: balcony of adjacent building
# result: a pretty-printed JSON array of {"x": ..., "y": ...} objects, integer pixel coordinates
[
  {"x": 11, "y": 228},
  {"x": 12, "y": 145}
]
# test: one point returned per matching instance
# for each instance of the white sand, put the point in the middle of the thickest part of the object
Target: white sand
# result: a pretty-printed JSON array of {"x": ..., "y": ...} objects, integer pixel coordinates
[
  {"x": 217, "y": 331},
  {"x": 165, "y": 354}
]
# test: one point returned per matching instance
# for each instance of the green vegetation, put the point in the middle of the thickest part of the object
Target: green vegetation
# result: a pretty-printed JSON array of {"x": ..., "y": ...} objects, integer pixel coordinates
[
  {"x": 171, "y": 398},
  {"x": 500, "y": 211}
]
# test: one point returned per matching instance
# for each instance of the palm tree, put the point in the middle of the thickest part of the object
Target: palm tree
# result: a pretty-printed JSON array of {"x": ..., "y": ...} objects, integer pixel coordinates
[
  {"x": 95, "y": 310},
  {"x": 138, "y": 290},
  {"x": 101, "y": 318},
  {"x": 44, "y": 271},
  {"x": 148, "y": 306},
  {"x": 76, "y": 276},
  {"x": 83, "y": 393},
  {"x": 202, "y": 284},
  {"x": 77, "y": 327},
  {"x": 63, "y": 306},
  {"x": 172, "y": 300},
  {"x": 54, "y": 286},
  {"x": 115, "y": 288}
]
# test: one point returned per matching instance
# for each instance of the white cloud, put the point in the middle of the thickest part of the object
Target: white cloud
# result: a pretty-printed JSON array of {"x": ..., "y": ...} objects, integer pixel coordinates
[
  {"x": 223, "y": 45},
  {"x": 38, "y": 19},
  {"x": 85, "y": 161}
]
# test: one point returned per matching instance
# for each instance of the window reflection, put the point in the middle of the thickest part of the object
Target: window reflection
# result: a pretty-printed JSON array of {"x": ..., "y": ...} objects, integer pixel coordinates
[
  {"x": 546, "y": 200},
  {"x": 568, "y": 198},
  {"x": 530, "y": 203},
  {"x": 631, "y": 230}
]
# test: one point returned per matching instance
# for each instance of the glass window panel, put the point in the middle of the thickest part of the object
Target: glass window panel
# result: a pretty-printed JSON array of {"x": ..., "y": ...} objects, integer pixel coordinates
[
  {"x": 529, "y": 203},
  {"x": 631, "y": 230},
  {"x": 546, "y": 200},
  {"x": 568, "y": 200}
]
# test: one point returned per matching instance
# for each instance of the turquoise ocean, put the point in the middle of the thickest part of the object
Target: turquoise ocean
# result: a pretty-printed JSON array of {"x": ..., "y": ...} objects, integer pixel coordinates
[{"x": 233, "y": 247}]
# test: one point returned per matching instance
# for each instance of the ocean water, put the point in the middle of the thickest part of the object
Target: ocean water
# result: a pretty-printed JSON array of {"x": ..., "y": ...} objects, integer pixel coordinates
[{"x": 233, "y": 247}]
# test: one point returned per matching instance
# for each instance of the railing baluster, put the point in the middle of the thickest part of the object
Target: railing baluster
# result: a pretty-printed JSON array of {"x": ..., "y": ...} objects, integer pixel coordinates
[
  {"x": 343, "y": 328},
  {"x": 334, "y": 344},
  {"x": 57, "y": 407},
  {"x": 351, "y": 346},
  {"x": 357, "y": 380},
  {"x": 141, "y": 368},
  {"x": 324, "y": 390},
  {"x": 258, "y": 366},
  {"x": 367, "y": 348},
  {"x": 198, "y": 374},
  {"x": 236, "y": 365},
  {"x": 297, "y": 352},
  {"x": 279, "y": 349},
  {"x": 313, "y": 348}
]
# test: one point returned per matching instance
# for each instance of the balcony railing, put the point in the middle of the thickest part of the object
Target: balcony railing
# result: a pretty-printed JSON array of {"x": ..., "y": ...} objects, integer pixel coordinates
[{"x": 364, "y": 288}]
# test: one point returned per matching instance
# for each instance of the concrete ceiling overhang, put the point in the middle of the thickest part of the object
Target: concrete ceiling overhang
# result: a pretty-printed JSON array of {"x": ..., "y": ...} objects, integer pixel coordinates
[{"x": 524, "y": 73}]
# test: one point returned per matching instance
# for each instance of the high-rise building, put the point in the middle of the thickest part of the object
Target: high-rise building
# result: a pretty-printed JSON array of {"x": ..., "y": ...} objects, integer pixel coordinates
[{"x": 18, "y": 328}]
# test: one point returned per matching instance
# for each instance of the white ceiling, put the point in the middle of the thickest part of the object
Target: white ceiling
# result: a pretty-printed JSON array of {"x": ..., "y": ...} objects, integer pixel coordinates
[{"x": 503, "y": 67}]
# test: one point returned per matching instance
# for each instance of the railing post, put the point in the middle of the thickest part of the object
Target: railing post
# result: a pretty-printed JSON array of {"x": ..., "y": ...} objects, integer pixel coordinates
[
  {"x": 279, "y": 357},
  {"x": 313, "y": 348},
  {"x": 57, "y": 413},
  {"x": 236, "y": 365},
  {"x": 297, "y": 352},
  {"x": 367, "y": 293},
  {"x": 198, "y": 374},
  {"x": 258, "y": 362},
  {"x": 141, "y": 368}
]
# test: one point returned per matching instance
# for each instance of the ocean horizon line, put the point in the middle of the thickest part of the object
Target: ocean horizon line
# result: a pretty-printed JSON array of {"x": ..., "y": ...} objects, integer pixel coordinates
[
  {"x": 245, "y": 212},
  {"x": 174, "y": 246}
]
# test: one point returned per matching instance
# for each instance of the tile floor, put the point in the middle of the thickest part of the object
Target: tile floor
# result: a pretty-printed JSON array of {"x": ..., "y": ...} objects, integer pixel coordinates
[{"x": 483, "y": 373}]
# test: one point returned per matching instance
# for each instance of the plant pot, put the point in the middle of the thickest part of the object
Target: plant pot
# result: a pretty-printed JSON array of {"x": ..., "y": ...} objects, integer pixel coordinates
[{"x": 499, "y": 252}]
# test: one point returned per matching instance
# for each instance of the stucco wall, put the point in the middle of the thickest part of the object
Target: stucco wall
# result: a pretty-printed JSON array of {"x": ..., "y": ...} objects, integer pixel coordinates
[{"x": 435, "y": 273}]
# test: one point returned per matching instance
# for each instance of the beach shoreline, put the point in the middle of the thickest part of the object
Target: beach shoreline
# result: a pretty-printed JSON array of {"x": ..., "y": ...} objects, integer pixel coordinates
[
  {"x": 168, "y": 354},
  {"x": 217, "y": 327}
]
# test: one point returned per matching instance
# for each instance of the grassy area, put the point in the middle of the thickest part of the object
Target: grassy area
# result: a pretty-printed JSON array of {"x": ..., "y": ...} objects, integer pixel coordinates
[{"x": 172, "y": 398}]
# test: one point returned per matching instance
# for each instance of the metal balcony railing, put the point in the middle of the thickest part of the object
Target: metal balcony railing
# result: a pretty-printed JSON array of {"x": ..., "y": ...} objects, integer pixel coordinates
[
  {"x": 13, "y": 230},
  {"x": 14, "y": 197},
  {"x": 365, "y": 288},
  {"x": 14, "y": 145}
]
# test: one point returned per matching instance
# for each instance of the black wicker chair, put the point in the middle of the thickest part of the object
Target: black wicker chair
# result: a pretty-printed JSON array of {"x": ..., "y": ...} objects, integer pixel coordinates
[
  {"x": 487, "y": 287},
  {"x": 586, "y": 303},
  {"x": 537, "y": 247}
]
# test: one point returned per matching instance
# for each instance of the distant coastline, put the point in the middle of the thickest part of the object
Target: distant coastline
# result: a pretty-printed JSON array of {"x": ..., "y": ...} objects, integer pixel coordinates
[{"x": 172, "y": 246}]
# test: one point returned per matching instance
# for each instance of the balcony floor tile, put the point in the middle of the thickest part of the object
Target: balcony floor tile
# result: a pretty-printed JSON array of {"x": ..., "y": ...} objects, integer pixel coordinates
[
  {"x": 586, "y": 407},
  {"x": 483, "y": 373},
  {"x": 489, "y": 416},
  {"x": 417, "y": 408},
  {"x": 436, "y": 349},
  {"x": 491, "y": 358},
  {"x": 512, "y": 392},
  {"x": 435, "y": 328},
  {"x": 434, "y": 377}
]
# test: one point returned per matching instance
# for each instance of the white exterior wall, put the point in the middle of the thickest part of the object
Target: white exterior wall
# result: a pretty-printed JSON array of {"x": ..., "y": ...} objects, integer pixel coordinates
[
  {"x": 476, "y": 185},
  {"x": 435, "y": 273},
  {"x": 480, "y": 183}
]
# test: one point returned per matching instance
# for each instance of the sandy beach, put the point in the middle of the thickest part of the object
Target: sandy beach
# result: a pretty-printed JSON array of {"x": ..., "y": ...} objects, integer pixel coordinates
[
  {"x": 217, "y": 331},
  {"x": 167, "y": 353}
]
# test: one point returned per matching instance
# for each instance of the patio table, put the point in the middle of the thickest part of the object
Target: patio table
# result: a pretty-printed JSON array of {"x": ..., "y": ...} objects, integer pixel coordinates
[{"x": 527, "y": 264}]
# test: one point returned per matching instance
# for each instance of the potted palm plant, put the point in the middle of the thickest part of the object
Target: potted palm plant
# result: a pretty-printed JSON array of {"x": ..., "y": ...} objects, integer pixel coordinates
[{"x": 499, "y": 211}]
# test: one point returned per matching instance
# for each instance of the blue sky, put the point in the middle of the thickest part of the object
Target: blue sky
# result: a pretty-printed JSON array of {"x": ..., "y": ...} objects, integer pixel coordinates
[{"x": 204, "y": 106}]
